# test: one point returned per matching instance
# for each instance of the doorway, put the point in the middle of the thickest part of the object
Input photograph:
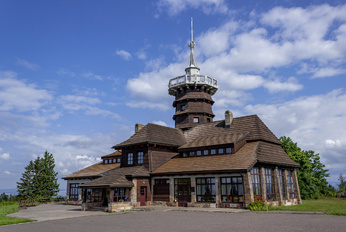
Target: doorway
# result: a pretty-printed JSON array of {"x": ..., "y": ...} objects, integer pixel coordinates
[{"x": 143, "y": 195}]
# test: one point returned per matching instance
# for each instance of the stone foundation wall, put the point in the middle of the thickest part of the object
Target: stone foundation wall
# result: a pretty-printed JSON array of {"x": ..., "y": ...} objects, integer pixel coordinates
[{"x": 89, "y": 205}]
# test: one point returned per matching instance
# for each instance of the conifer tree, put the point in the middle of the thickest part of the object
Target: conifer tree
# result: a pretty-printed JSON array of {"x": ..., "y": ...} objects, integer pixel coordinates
[{"x": 39, "y": 179}]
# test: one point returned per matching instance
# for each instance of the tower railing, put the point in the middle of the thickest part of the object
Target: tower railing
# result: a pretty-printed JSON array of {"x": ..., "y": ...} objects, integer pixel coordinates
[{"x": 193, "y": 80}]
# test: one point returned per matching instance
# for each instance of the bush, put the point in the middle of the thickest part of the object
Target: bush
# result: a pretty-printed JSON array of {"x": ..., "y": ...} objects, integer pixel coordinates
[{"x": 258, "y": 204}]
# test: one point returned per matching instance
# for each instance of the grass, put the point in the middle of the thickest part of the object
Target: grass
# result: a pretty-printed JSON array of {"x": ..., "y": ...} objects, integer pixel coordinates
[
  {"x": 8, "y": 209},
  {"x": 328, "y": 205}
]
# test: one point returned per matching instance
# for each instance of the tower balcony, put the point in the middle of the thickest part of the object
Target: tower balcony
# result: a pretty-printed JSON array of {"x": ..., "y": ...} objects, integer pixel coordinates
[{"x": 204, "y": 81}]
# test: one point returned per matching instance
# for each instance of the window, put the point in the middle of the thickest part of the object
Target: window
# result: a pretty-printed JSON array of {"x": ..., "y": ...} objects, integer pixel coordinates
[
  {"x": 228, "y": 150},
  {"x": 206, "y": 152},
  {"x": 184, "y": 154},
  {"x": 130, "y": 158},
  {"x": 256, "y": 184},
  {"x": 182, "y": 189},
  {"x": 232, "y": 189},
  {"x": 208, "y": 119},
  {"x": 96, "y": 195},
  {"x": 74, "y": 191},
  {"x": 195, "y": 120},
  {"x": 290, "y": 184},
  {"x": 118, "y": 160},
  {"x": 192, "y": 153},
  {"x": 220, "y": 151},
  {"x": 213, "y": 151},
  {"x": 121, "y": 194},
  {"x": 110, "y": 161},
  {"x": 282, "y": 184},
  {"x": 205, "y": 189},
  {"x": 106, "y": 161},
  {"x": 140, "y": 157},
  {"x": 114, "y": 161},
  {"x": 199, "y": 153},
  {"x": 269, "y": 180},
  {"x": 183, "y": 107}
]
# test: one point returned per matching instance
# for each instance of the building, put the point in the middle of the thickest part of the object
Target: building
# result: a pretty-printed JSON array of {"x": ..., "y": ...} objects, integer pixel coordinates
[{"x": 199, "y": 163}]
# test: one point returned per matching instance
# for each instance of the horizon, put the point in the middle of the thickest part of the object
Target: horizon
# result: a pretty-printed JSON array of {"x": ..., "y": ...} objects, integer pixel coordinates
[{"x": 75, "y": 77}]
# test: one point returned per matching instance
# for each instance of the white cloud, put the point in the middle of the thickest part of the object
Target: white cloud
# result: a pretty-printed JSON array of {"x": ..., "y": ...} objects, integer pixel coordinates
[
  {"x": 149, "y": 105},
  {"x": 173, "y": 7},
  {"x": 290, "y": 85},
  {"x": 4, "y": 156},
  {"x": 20, "y": 96},
  {"x": 162, "y": 123},
  {"x": 27, "y": 64},
  {"x": 65, "y": 72},
  {"x": 328, "y": 72},
  {"x": 123, "y": 54},
  {"x": 92, "y": 76},
  {"x": 314, "y": 122},
  {"x": 7, "y": 172}
]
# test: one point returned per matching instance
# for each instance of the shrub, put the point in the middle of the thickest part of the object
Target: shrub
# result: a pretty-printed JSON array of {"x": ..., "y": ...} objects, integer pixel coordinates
[{"x": 258, "y": 204}]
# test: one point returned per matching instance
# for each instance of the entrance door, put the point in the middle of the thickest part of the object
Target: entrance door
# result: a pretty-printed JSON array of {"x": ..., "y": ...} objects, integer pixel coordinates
[
  {"x": 183, "y": 194},
  {"x": 143, "y": 196}
]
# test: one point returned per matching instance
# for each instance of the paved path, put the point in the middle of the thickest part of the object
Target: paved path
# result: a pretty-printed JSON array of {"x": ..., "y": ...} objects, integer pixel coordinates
[{"x": 173, "y": 219}]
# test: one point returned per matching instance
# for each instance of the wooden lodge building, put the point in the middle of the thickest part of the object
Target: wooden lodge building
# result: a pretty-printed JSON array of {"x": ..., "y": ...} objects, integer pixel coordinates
[{"x": 199, "y": 163}]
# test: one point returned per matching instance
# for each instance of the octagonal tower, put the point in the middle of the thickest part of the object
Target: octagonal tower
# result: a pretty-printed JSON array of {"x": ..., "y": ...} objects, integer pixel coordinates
[{"x": 192, "y": 92}]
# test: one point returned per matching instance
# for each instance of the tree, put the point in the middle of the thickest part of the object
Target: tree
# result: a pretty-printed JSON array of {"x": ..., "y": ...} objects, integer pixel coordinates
[
  {"x": 39, "y": 179},
  {"x": 312, "y": 173},
  {"x": 342, "y": 183}
]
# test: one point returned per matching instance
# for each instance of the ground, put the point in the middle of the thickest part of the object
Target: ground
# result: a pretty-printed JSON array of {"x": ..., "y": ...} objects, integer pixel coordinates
[{"x": 170, "y": 219}]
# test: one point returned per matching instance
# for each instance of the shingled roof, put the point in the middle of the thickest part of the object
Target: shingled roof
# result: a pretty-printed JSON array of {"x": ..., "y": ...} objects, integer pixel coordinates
[
  {"x": 114, "y": 154},
  {"x": 241, "y": 160},
  {"x": 251, "y": 125},
  {"x": 93, "y": 171},
  {"x": 118, "y": 177},
  {"x": 155, "y": 134}
]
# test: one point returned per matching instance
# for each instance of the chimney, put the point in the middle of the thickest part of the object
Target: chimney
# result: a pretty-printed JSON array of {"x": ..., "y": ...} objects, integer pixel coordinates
[
  {"x": 228, "y": 119},
  {"x": 138, "y": 127}
]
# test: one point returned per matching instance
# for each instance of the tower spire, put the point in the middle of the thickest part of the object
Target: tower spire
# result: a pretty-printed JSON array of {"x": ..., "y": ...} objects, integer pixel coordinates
[{"x": 192, "y": 67}]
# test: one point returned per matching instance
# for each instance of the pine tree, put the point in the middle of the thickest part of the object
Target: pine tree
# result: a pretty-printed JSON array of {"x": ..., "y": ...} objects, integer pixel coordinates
[
  {"x": 39, "y": 180},
  {"x": 342, "y": 183}
]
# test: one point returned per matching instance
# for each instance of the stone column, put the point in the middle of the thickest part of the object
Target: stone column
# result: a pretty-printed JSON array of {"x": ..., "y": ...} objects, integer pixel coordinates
[
  {"x": 193, "y": 194},
  {"x": 296, "y": 186},
  {"x": 286, "y": 185},
  {"x": 217, "y": 191},
  {"x": 277, "y": 187},
  {"x": 133, "y": 193},
  {"x": 248, "y": 191},
  {"x": 263, "y": 183},
  {"x": 171, "y": 189}
]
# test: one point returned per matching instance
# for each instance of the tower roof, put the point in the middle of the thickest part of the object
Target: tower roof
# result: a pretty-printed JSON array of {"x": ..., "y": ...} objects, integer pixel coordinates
[{"x": 192, "y": 77}]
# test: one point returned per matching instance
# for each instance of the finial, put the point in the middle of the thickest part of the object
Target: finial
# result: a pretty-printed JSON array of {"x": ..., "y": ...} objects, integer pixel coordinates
[{"x": 192, "y": 44}]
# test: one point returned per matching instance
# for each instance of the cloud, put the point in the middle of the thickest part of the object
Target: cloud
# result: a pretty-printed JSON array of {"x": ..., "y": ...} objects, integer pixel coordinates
[
  {"x": 161, "y": 123},
  {"x": 149, "y": 105},
  {"x": 13, "y": 91},
  {"x": 314, "y": 122},
  {"x": 27, "y": 64},
  {"x": 174, "y": 7},
  {"x": 328, "y": 72},
  {"x": 124, "y": 54},
  {"x": 92, "y": 76},
  {"x": 4, "y": 156},
  {"x": 65, "y": 72}
]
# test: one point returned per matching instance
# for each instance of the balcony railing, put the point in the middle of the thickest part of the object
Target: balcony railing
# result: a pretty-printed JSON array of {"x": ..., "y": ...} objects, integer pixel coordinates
[{"x": 193, "y": 80}]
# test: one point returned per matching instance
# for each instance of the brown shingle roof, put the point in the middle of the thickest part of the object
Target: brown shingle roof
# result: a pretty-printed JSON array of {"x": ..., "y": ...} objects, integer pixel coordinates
[
  {"x": 214, "y": 140},
  {"x": 116, "y": 153},
  {"x": 241, "y": 160},
  {"x": 195, "y": 95},
  {"x": 249, "y": 124},
  {"x": 95, "y": 170},
  {"x": 155, "y": 134},
  {"x": 196, "y": 109},
  {"x": 118, "y": 177},
  {"x": 273, "y": 154}
]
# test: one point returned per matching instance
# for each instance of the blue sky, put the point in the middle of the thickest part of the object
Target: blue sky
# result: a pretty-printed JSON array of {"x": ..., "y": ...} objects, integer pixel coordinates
[{"x": 76, "y": 76}]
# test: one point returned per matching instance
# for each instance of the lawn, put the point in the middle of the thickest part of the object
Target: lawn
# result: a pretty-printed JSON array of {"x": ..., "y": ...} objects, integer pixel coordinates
[
  {"x": 7, "y": 209},
  {"x": 328, "y": 205}
]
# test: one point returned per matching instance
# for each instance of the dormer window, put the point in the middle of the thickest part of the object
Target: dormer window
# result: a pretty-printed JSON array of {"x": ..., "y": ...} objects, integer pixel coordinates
[
  {"x": 110, "y": 161},
  {"x": 199, "y": 153},
  {"x": 130, "y": 158},
  {"x": 228, "y": 150},
  {"x": 213, "y": 151},
  {"x": 192, "y": 153},
  {"x": 118, "y": 160},
  {"x": 106, "y": 161},
  {"x": 183, "y": 107},
  {"x": 114, "y": 161},
  {"x": 220, "y": 151},
  {"x": 140, "y": 157},
  {"x": 196, "y": 120}
]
